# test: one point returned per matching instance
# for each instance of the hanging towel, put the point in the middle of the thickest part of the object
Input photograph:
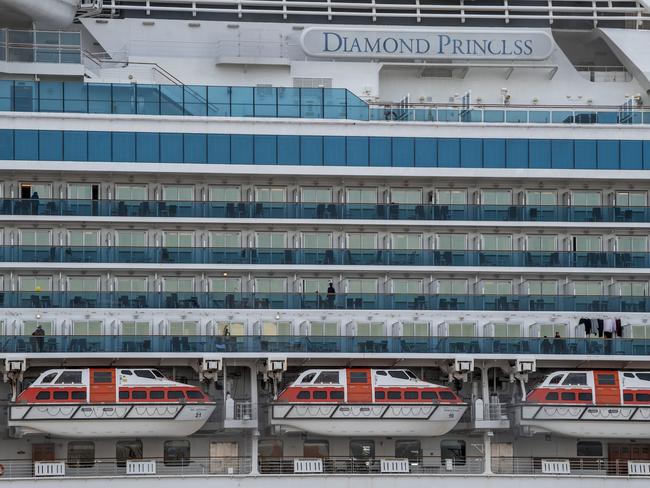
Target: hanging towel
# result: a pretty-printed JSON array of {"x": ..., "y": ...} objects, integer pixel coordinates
[
  {"x": 609, "y": 327},
  {"x": 594, "y": 326}
]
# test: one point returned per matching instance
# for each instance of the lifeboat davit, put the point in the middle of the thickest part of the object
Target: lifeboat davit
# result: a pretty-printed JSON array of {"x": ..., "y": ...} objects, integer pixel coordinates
[
  {"x": 366, "y": 402},
  {"x": 94, "y": 402},
  {"x": 605, "y": 404}
]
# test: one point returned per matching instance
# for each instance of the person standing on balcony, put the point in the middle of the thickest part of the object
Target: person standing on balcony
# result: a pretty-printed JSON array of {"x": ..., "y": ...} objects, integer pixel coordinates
[
  {"x": 39, "y": 338},
  {"x": 331, "y": 295}
]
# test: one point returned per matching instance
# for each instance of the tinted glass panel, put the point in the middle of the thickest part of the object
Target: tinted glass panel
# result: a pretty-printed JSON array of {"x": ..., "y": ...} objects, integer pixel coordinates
[
  {"x": 194, "y": 394},
  {"x": 380, "y": 395},
  {"x": 429, "y": 395},
  {"x": 103, "y": 377},
  {"x": 43, "y": 395},
  {"x": 139, "y": 395},
  {"x": 157, "y": 394},
  {"x": 320, "y": 395},
  {"x": 338, "y": 395},
  {"x": 78, "y": 395},
  {"x": 642, "y": 397},
  {"x": 585, "y": 397},
  {"x": 568, "y": 395},
  {"x": 175, "y": 395},
  {"x": 359, "y": 377},
  {"x": 61, "y": 395},
  {"x": 124, "y": 395},
  {"x": 606, "y": 379},
  {"x": 410, "y": 395},
  {"x": 303, "y": 395},
  {"x": 552, "y": 396},
  {"x": 394, "y": 395},
  {"x": 446, "y": 395}
]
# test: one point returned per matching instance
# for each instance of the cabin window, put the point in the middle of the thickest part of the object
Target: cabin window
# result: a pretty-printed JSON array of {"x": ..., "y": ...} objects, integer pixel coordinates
[
  {"x": 568, "y": 395},
  {"x": 328, "y": 377},
  {"x": 585, "y": 397},
  {"x": 308, "y": 378},
  {"x": 380, "y": 395},
  {"x": 303, "y": 395},
  {"x": 628, "y": 397},
  {"x": 175, "y": 395},
  {"x": 336, "y": 395},
  {"x": 589, "y": 449},
  {"x": 642, "y": 397},
  {"x": 394, "y": 395},
  {"x": 45, "y": 395},
  {"x": 69, "y": 378},
  {"x": 127, "y": 372},
  {"x": 124, "y": 395},
  {"x": 176, "y": 453},
  {"x": 575, "y": 379},
  {"x": 78, "y": 395},
  {"x": 156, "y": 394},
  {"x": 103, "y": 377},
  {"x": 382, "y": 373},
  {"x": 316, "y": 449},
  {"x": 157, "y": 373},
  {"x": 629, "y": 375},
  {"x": 447, "y": 395},
  {"x": 144, "y": 373},
  {"x": 81, "y": 454},
  {"x": 429, "y": 395},
  {"x": 398, "y": 374},
  {"x": 606, "y": 379},
  {"x": 194, "y": 394},
  {"x": 552, "y": 396},
  {"x": 454, "y": 450},
  {"x": 320, "y": 395},
  {"x": 358, "y": 377},
  {"x": 127, "y": 450},
  {"x": 643, "y": 376},
  {"x": 408, "y": 449},
  {"x": 60, "y": 395},
  {"x": 362, "y": 449},
  {"x": 410, "y": 395},
  {"x": 555, "y": 380},
  {"x": 139, "y": 395},
  {"x": 49, "y": 378}
]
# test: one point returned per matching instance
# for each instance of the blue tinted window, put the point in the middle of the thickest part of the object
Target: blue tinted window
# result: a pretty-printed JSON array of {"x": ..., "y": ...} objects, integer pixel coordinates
[
  {"x": 646, "y": 154},
  {"x": 288, "y": 102},
  {"x": 25, "y": 96},
  {"x": 50, "y": 145},
  {"x": 51, "y": 95},
  {"x": 265, "y": 102},
  {"x": 219, "y": 101},
  {"x": 311, "y": 102},
  {"x": 471, "y": 153},
  {"x": 334, "y": 101},
  {"x": 75, "y": 97},
  {"x": 241, "y": 101},
  {"x": 26, "y": 144},
  {"x": 380, "y": 151},
  {"x": 311, "y": 150},
  {"x": 171, "y": 100},
  {"x": 561, "y": 153},
  {"x": 517, "y": 153},
  {"x": 195, "y": 100},
  {"x": 608, "y": 155},
  {"x": 75, "y": 146},
  {"x": 123, "y": 99},
  {"x": 585, "y": 154},
  {"x": 147, "y": 147},
  {"x": 124, "y": 146},
  {"x": 540, "y": 153},
  {"x": 99, "y": 98},
  {"x": 6, "y": 144},
  {"x": 494, "y": 153},
  {"x": 241, "y": 149},
  {"x": 218, "y": 148},
  {"x": 148, "y": 97},
  {"x": 265, "y": 150},
  {"x": 194, "y": 148},
  {"x": 426, "y": 152},
  {"x": 334, "y": 150},
  {"x": 6, "y": 88},
  {"x": 403, "y": 151},
  {"x": 357, "y": 151},
  {"x": 288, "y": 150},
  {"x": 448, "y": 153},
  {"x": 171, "y": 148},
  {"x": 99, "y": 146},
  {"x": 631, "y": 154}
]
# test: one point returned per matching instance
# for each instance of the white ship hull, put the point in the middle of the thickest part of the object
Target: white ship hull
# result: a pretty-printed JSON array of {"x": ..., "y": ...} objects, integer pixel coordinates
[
  {"x": 362, "y": 420},
  {"x": 92, "y": 421},
  {"x": 612, "y": 422}
]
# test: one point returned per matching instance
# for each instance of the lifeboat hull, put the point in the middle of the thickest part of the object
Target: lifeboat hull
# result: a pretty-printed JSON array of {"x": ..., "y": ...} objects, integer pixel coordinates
[
  {"x": 119, "y": 420},
  {"x": 420, "y": 420},
  {"x": 612, "y": 422}
]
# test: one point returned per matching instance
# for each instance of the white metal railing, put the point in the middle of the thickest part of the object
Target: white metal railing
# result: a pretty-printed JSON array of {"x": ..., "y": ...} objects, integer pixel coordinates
[
  {"x": 40, "y": 46},
  {"x": 600, "y": 467},
  {"x": 46, "y": 469},
  {"x": 551, "y": 11},
  {"x": 244, "y": 410}
]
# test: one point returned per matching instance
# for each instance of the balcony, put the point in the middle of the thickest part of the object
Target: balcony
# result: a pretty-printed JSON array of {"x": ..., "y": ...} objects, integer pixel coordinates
[
  {"x": 316, "y": 301},
  {"x": 155, "y": 344},
  {"x": 321, "y": 211},
  {"x": 321, "y": 257}
]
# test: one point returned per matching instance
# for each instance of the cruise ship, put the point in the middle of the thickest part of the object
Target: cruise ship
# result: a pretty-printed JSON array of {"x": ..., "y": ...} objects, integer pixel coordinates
[{"x": 278, "y": 243}]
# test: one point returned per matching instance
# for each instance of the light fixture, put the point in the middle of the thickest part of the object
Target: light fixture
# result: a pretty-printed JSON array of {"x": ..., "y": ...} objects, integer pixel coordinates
[
  {"x": 277, "y": 316},
  {"x": 38, "y": 315}
]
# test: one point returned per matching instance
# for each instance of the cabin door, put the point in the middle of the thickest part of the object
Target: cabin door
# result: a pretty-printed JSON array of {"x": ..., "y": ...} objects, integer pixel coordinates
[
  {"x": 620, "y": 454},
  {"x": 608, "y": 391},
  {"x": 102, "y": 386},
  {"x": 359, "y": 386},
  {"x": 43, "y": 452},
  {"x": 224, "y": 457}
]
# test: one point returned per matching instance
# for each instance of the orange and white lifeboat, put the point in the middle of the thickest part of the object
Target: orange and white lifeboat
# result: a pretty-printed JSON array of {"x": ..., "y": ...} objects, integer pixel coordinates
[
  {"x": 608, "y": 404},
  {"x": 362, "y": 402},
  {"x": 98, "y": 402}
]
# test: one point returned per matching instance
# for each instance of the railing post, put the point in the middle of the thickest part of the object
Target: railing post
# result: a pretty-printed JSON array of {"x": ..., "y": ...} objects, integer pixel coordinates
[{"x": 255, "y": 437}]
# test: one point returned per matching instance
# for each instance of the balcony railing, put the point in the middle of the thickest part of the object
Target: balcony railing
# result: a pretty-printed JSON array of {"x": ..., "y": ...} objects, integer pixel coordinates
[
  {"x": 321, "y": 257},
  {"x": 38, "y": 46},
  {"x": 318, "y": 301},
  {"x": 267, "y": 210},
  {"x": 585, "y": 466},
  {"x": 243, "y": 101},
  {"x": 323, "y": 344}
]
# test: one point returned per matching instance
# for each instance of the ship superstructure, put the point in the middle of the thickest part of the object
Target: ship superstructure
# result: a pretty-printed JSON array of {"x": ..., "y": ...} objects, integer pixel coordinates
[{"x": 286, "y": 242}]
